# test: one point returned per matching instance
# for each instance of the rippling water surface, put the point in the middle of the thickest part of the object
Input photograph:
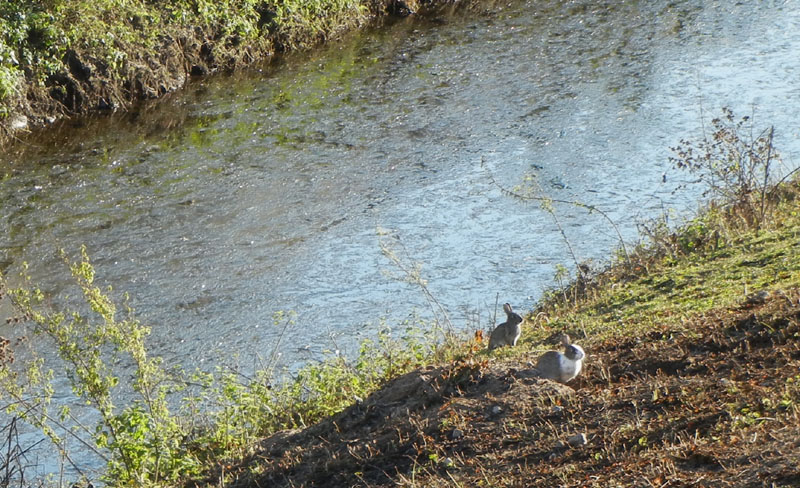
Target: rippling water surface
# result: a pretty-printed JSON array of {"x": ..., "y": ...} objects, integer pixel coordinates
[{"x": 264, "y": 191}]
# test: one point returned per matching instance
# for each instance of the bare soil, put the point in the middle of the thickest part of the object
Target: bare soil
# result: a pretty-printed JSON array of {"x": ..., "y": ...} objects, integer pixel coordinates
[{"x": 713, "y": 404}]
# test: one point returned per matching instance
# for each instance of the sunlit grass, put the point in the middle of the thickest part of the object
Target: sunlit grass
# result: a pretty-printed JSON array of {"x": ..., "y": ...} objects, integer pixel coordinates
[{"x": 721, "y": 275}]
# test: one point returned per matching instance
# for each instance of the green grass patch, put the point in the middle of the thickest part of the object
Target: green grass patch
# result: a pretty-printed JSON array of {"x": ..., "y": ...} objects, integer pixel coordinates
[{"x": 667, "y": 289}]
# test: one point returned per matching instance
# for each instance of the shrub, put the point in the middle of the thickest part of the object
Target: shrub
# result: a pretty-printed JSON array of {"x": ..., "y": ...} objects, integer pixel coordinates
[
  {"x": 140, "y": 442},
  {"x": 736, "y": 163}
]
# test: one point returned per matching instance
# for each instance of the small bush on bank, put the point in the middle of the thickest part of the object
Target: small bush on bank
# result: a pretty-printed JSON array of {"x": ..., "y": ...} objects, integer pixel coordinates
[
  {"x": 139, "y": 441},
  {"x": 742, "y": 176},
  {"x": 748, "y": 192},
  {"x": 739, "y": 166}
]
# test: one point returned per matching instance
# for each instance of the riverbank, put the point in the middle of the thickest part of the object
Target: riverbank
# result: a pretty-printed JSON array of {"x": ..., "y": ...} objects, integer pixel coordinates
[
  {"x": 61, "y": 59},
  {"x": 693, "y": 352},
  {"x": 692, "y": 377}
]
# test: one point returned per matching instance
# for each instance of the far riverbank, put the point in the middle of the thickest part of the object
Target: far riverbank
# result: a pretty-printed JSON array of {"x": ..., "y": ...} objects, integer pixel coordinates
[{"x": 60, "y": 59}]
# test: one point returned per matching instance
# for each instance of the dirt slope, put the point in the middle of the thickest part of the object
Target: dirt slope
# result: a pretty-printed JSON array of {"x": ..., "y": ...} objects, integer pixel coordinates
[{"x": 714, "y": 404}]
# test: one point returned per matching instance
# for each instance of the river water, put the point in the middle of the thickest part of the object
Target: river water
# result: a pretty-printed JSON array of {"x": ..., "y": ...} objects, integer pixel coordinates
[{"x": 270, "y": 189}]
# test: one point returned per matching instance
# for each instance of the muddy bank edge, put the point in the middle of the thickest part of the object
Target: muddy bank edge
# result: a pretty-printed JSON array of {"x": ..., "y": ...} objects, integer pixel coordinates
[{"x": 62, "y": 58}]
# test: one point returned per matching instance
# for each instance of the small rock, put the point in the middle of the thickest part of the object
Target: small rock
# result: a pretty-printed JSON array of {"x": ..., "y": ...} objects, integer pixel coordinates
[
  {"x": 58, "y": 170},
  {"x": 18, "y": 122},
  {"x": 561, "y": 445},
  {"x": 557, "y": 409},
  {"x": 448, "y": 463},
  {"x": 456, "y": 434},
  {"x": 496, "y": 410},
  {"x": 577, "y": 440}
]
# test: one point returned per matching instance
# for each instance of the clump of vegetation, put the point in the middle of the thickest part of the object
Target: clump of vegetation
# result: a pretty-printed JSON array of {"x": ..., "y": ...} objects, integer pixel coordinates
[
  {"x": 738, "y": 164},
  {"x": 177, "y": 425},
  {"x": 66, "y": 56},
  {"x": 140, "y": 441},
  {"x": 740, "y": 172},
  {"x": 742, "y": 176}
]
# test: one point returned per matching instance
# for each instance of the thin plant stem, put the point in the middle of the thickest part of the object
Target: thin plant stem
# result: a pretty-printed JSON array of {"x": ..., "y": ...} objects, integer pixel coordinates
[{"x": 586, "y": 206}]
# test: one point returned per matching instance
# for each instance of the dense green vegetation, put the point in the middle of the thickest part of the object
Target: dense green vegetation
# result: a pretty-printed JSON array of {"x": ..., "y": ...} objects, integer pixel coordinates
[{"x": 74, "y": 56}]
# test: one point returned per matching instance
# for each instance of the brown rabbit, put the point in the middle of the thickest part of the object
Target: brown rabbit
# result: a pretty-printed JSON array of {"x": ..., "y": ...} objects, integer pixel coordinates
[{"x": 507, "y": 333}]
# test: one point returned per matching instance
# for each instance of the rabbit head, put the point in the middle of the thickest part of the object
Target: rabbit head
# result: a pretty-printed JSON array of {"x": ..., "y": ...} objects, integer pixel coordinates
[
  {"x": 573, "y": 352},
  {"x": 511, "y": 316}
]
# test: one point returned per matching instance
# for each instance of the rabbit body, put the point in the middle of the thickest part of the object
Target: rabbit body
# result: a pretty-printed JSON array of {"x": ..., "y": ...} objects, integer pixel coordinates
[
  {"x": 507, "y": 333},
  {"x": 561, "y": 366}
]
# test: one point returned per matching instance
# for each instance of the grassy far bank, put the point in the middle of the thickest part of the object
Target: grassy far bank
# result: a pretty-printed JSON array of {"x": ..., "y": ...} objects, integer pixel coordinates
[{"x": 63, "y": 57}]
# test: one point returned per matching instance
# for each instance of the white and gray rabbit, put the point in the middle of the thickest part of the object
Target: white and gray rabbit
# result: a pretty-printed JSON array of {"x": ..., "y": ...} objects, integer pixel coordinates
[
  {"x": 507, "y": 333},
  {"x": 561, "y": 366}
]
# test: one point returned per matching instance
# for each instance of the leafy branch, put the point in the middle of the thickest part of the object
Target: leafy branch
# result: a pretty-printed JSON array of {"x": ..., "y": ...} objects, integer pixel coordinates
[{"x": 139, "y": 443}]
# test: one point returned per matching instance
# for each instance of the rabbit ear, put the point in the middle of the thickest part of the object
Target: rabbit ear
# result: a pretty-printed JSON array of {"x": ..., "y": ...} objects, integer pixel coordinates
[
  {"x": 507, "y": 308},
  {"x": 565, "y": 340}
]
